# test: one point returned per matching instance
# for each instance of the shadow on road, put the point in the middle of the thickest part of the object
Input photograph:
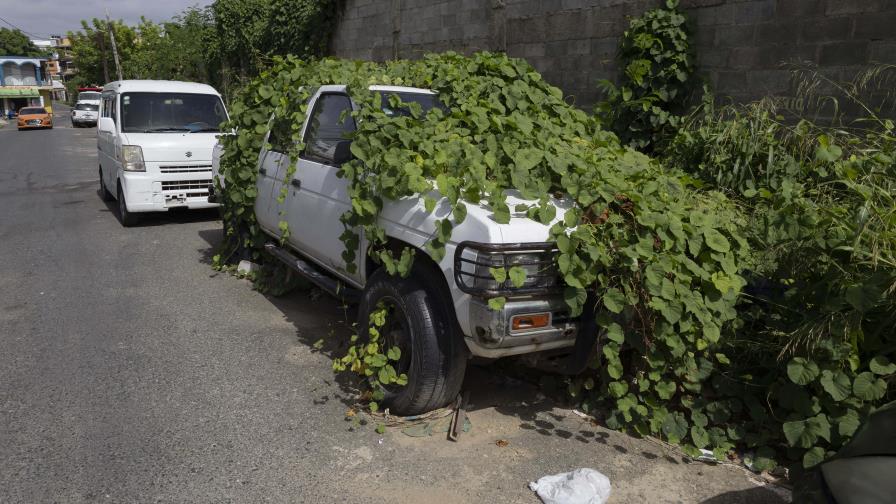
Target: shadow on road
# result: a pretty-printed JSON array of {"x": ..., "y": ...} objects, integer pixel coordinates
[
  {"x": 173, "y": 216},
  {"x": 758, "y": 495}
]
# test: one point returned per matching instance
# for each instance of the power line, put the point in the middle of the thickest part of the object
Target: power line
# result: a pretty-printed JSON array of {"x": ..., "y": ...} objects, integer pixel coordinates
[{"x": 23, "y": 31}]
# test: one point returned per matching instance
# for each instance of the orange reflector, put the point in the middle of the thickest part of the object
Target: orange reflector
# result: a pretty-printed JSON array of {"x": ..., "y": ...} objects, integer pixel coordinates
[{"x": 530, "y": 321}]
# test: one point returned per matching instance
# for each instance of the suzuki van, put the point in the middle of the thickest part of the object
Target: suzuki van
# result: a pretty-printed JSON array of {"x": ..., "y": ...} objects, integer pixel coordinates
[{"x": 155, "y": 141}]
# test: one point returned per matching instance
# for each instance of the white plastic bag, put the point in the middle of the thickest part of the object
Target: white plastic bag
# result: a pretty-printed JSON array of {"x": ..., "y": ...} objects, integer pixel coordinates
[{"x": 582, "y": 486}]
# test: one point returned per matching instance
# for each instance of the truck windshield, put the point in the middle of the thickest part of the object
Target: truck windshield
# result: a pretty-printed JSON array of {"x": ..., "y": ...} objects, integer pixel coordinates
[
  {"x": 89, "y": 95},
  {"x": 427, "y": 102},
  {"x": 171, "y": 112},
  {"x": 87, "y": 106}
]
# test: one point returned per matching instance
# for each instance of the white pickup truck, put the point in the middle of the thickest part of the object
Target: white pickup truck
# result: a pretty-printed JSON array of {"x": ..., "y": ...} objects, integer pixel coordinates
[{"x": 439, "y": 314}]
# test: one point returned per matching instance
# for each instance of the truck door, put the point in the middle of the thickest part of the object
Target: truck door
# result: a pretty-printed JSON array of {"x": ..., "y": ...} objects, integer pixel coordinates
[
  {"x": 272, "y": 167},
  {"x": 317, "y": 196}
]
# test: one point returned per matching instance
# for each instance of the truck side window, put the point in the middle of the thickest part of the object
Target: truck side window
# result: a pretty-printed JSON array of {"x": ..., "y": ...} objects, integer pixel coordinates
[
  {"x": 329, "y": 126},
  {"x": 281, "y": 135}
]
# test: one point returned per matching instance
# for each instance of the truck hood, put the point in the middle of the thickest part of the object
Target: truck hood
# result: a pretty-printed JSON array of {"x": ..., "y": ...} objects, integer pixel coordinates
[
  {"x": 520, "y": 229},
  {"x": 164, "y": 147}
]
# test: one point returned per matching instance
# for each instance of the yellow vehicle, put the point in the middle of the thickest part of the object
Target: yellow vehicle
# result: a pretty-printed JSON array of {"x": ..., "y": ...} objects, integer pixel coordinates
[{"x": 34, "y": 117}]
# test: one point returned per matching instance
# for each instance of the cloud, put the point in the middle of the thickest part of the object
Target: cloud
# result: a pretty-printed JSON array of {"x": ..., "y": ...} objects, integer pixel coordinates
[{"x": 42, "y": 18}]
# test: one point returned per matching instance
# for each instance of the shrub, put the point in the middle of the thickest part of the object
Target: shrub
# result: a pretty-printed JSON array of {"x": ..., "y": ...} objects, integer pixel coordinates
[{"x": 657, "y": 81}]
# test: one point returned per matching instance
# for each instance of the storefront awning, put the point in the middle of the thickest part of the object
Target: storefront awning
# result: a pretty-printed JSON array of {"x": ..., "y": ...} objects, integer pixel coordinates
[{"x": 20, "y": 92}]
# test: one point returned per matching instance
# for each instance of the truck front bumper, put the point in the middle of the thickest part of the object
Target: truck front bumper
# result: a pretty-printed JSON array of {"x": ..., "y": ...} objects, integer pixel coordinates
[{"x": 492, "y": 334}]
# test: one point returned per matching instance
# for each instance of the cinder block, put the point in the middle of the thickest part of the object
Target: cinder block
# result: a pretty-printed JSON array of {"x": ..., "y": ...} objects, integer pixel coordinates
[
  {"x": 883, "y": 52},
  {"x": 735, "y": 35},
  {"x": 779, "y": 32},
  {"x": 800, "y": 8},
  {"x": 754, "y": 11},
  {"x": 565, "y": 25},
  {"x": 835, "y": 7},
  {"x": 769, "y": 82},
  {"x": 744, "y": 57},
  {"x": 844, "y": 53},
  {"x": 826, "y": 30},
  {"x": 876, "y": 26},
  {"x": 717, "y": 15}
]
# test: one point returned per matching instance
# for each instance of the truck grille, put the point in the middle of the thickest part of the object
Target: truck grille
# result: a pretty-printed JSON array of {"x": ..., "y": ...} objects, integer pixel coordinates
[
  {"x": 185, "y": 168},
  {"x": 186, "y": 185}
]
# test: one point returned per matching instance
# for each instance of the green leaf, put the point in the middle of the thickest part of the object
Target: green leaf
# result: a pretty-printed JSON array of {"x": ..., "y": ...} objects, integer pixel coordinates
[
  {"x": 881, "y": 365},
  {"x": 802, "y": 371},
  {"x": 869, "y": 388},
  {"x": 497, "y": 303},
  {"x": 517, "y": 276},
  {"x": 716, "y": 241},
  {"x": 665, "y": 389},
  {"x": 836, "y": 383},
  {"x": 614, "y": 300},
  {"x": 615, "y": 333},
  {"x": 618, "y": 388},
  {"x": 813, "y": 457},
  {"x": 848, "y": 423},
  {"x": 799, "y": 434},
  {"x": 394, "y": 354},
  {"x": 499, "y": 274},
  {"x": 699, "y": 436}
]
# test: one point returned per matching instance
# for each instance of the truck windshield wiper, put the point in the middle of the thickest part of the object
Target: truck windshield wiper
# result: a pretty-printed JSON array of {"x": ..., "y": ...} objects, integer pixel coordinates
[
  {"x": 157, "y": 130},
  {"x": 204, "y": 130}
]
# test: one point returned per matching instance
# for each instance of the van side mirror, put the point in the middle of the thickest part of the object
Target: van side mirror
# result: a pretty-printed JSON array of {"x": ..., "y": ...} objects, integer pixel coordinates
[
  {"x": 105, "y": 124},
  {"x": 342, "y": 153}
]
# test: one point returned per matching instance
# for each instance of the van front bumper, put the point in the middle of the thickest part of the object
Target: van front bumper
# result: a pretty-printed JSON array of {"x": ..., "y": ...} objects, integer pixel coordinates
[{"x": 148, "y": 192}]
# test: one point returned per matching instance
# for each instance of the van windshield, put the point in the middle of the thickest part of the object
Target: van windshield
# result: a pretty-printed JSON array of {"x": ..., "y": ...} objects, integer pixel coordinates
[{"x": 171, "y": 112}]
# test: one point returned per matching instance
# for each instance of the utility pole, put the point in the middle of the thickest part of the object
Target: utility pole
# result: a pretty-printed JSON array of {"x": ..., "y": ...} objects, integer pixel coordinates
[
  {"x": 102, "y": 37},
  {"x": 114, "y": 48}
]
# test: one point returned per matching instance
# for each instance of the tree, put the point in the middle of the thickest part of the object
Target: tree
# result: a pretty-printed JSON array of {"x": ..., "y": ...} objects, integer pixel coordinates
[{"x": 16, "y": 43}]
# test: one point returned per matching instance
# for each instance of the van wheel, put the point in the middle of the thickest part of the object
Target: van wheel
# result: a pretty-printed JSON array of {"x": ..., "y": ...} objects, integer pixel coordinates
[
  {"x": 105, "y": 195},
  {"x": 127, "y": 218},
  {"x": 421, "y": 323}
]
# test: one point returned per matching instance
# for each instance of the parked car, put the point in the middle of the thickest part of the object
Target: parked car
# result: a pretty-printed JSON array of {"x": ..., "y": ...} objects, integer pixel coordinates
[
  {"x": 155, "y": 141},
  {"x": 85, "y": 113},
  {"x": 34, "y": 118},
  {"x": 439, "y": 314}
]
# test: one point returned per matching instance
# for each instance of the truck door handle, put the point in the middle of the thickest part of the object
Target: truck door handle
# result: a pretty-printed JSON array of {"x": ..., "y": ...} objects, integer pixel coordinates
[
  {"x": 263, "y": 171},
  {"x": 296, "y": 183}
]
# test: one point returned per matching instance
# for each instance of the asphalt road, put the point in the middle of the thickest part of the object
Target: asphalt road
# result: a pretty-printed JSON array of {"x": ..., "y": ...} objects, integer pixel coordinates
[{"x": 130, "y": 371}]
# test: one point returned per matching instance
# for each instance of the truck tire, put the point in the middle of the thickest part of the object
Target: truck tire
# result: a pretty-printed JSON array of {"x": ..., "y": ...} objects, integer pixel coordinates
[
  {"x": 421, "y": 321},
  {"x": 128, "y": 219},
  {"x": 105, "y": 195}
]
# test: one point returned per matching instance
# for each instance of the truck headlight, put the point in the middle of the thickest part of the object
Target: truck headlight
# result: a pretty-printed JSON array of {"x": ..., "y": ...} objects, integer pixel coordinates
[
  {"x": 473, "y": 263},
  {"x": 132, "y": 158}
]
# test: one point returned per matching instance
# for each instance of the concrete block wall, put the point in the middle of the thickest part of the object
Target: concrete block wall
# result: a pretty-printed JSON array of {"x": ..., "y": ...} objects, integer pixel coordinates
[{"x": 740, "y": 44}]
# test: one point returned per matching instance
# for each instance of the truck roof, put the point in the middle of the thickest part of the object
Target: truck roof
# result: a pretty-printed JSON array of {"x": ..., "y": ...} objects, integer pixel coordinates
[
  {"x": 396, "y": 89},
  {"x": 159, "y": 86}
]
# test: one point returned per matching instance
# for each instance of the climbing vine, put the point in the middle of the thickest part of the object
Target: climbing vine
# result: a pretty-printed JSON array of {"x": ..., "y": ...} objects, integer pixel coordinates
[
  {"x": 661, "y": 257},
  {"x": 656, "y": 54}
]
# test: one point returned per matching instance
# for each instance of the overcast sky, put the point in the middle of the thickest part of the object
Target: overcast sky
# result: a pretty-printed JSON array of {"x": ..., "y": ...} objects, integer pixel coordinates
[{"x": 42, "y": 18}]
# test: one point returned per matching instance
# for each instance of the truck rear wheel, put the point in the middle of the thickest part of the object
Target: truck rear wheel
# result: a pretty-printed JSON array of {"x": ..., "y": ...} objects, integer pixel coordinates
[{"x": 421, "y": 322}]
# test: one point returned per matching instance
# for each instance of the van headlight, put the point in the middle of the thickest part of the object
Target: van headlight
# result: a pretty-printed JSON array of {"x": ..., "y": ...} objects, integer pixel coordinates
[
  {"x": 132, "y": 158},
  {"x": 473, "y": 261}
]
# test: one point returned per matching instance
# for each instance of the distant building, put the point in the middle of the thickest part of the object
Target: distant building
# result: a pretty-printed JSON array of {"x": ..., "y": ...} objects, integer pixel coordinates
[{"x": 23, "y": 83}]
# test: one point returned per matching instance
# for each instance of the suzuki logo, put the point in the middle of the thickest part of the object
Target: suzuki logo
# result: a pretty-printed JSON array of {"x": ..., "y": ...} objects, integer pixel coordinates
[{"x": 189, "y": 154}]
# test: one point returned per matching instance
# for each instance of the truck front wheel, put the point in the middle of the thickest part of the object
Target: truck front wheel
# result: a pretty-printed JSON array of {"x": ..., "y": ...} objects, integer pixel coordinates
[{"x": 420, "y": 321}]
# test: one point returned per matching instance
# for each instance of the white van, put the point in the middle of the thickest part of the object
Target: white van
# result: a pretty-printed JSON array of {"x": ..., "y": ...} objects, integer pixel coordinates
[{"x": 155, "y": 141}]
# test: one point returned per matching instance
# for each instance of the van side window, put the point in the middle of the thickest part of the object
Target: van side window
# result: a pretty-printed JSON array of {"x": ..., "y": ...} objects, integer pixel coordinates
[{"x": 329, "y": 126}]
